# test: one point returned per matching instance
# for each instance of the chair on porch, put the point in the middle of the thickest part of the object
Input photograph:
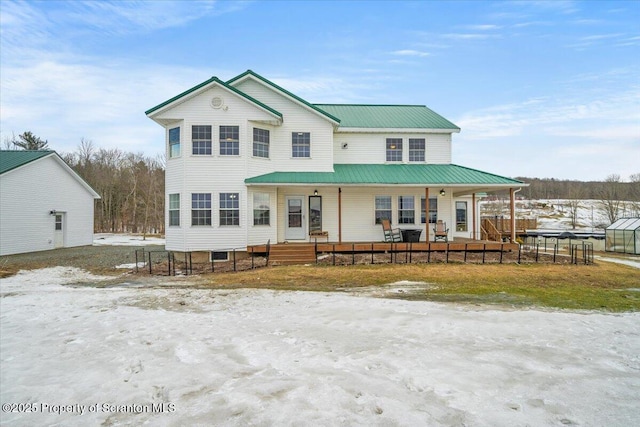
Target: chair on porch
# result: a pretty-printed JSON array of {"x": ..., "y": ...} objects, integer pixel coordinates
[
  {"x": 390, "y": 234},
  {"x": 441, "y": 232}
]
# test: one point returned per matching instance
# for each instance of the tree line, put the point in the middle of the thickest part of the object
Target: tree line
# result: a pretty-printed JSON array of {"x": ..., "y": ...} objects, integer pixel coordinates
[{"x": 131, "y": 185}]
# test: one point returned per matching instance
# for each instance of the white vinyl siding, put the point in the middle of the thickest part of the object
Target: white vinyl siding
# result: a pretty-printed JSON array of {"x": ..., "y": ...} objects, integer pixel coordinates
[
  {"x": 29, "y": 193},
  {"x": 362, "y": 148}
]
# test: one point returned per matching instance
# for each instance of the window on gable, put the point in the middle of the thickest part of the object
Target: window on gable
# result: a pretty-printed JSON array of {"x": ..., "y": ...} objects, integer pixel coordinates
[
  {"x": 261, "y": 209},
  {"x": 382, "y": 208},
  {"x": 260, "y": 143},
  {"x": 229, "y": 209},
  {"x": 174, "y": 209},
  {"x": 394, "y": 149},
  {"x": 301, "y": 144},
  {"x": 201, "y": 209},
  {"x": 229, "y": 140},
  {"x": 174, "y": 142},
  {"x": 416, "y": 149},
  {"x": 406, "y": 210},
  {"x": 433, "y": 210},
  {"x": 201, "y": 140}
]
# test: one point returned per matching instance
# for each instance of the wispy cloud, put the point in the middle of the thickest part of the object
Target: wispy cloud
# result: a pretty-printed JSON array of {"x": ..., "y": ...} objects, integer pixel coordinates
[{"x": 410, "y": 52}]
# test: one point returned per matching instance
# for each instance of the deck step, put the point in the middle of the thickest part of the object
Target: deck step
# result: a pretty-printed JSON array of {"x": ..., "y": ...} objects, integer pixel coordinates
[{"x": 292, "y": 254}]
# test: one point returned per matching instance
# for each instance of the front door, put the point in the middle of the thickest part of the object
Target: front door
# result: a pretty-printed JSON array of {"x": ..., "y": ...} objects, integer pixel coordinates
[
  {"x": 58, "y": 231},
  {"x": 294, "y": 227}
]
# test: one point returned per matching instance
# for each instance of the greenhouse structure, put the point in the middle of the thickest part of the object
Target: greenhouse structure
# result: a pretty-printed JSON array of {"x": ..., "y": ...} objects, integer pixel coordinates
[{"x": 623, "y": 236}]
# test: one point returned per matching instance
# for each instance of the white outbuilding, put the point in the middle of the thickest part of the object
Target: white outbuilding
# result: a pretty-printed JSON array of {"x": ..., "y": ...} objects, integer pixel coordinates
[{"x": 44, "y": 204}]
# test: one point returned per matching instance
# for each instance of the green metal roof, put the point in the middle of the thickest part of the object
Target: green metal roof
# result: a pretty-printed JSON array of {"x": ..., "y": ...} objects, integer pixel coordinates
[
  {"x": 387, "y": 116},
  {"x": 405, "y": 174},
  {"x": 221, "y": 83},
  {"x": 275, "y": 86},
  {"x": 11, "y": 159}
]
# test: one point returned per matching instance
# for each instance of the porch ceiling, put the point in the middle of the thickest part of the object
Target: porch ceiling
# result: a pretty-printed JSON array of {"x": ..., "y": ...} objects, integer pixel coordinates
[{"x": 416, "y": 175}]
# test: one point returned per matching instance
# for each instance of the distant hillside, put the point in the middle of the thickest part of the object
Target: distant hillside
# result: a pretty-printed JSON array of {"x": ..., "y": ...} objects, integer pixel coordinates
[{"x": 549, "y": 188}]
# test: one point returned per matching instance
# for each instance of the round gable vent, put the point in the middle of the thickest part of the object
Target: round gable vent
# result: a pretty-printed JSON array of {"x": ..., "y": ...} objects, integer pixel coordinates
[{"x": 216, "y": 102}]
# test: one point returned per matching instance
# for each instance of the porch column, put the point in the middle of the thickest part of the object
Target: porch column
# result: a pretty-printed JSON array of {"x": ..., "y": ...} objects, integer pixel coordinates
[
  {"x": 339, "y": 215},
  {"x": 426, "y": 207},
  {"x": 473, "y": 203},
  {"x": 512, "y": 194}
]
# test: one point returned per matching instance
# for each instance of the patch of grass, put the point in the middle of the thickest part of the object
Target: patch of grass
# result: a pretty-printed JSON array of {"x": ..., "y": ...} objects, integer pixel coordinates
[{"x": 603, "y": 286}]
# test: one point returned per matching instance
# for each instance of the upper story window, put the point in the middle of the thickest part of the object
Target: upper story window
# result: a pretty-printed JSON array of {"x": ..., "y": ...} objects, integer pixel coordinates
[
  {"x": 229, "y": 209},
  {"x": 201, "y": 140},
  {"x": 174, "y": 209},
  {"x": 383, "y": 208},
  {"x": 394, "y": 149},
  {"x": 261, "y": 143},
  {"x": 406, "y": 210},
  {"x": 229, "y": 140},
  {"x": 301, "y": 144},
  {"x": 174, "y": 142},
  {"x": 201, "y": 209},
  {"x": 416, "y": 149}
]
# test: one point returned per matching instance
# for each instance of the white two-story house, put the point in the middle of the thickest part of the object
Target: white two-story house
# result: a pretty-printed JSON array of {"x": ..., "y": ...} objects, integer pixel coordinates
[{"x": 250, "y": 162}]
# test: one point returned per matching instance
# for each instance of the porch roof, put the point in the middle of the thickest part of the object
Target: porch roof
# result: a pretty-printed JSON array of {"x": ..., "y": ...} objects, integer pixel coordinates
[{"x": 396, "y": 174}]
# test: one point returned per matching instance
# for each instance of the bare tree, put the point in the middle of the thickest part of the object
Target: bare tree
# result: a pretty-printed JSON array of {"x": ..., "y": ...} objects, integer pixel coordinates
[{"x": 610, "y": 200}]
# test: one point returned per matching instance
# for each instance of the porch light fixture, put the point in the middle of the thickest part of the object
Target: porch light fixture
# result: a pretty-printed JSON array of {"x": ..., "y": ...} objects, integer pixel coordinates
[
  {"x": 442, "y": 192},
  {"x": 315, "y": 192}
]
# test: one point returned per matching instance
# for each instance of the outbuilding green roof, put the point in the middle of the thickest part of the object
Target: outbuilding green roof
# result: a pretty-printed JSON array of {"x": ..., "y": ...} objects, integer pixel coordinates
[
  {"x": 387, "y": 116},
  {"x": 11, "y": 159},
  {"x": 372, "y": 174}
]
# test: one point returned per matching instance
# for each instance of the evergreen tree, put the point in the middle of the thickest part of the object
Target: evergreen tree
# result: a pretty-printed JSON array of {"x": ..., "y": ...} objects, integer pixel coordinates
[{"x": 28, "y": 141}]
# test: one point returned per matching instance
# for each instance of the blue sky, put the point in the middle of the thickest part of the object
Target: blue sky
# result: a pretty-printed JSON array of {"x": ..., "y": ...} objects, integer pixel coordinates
[{"x": 540, "y": 88}]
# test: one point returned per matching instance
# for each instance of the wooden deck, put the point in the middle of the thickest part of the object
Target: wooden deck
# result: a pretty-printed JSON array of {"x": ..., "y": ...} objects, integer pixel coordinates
[{"x": 307, "y": 253}]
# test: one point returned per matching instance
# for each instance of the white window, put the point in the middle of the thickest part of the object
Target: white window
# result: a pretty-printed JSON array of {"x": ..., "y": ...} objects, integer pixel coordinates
[
  {"x": 174, "y": 209},
  {"x": 201, "y": 140},
  {"x": 394, "y": 149},
  {"x": 261, "y": 209},
  {"x": 229, "y": 209},
  {"x": 301, "y": 144},
  {"x": 201, "y": 209},
  {"x": 260, "y": 143},
  {"x": 382, "y": 208},
  {"x": 229, "y": 140},
  {"x": 416, "y": 149},
  {"x": 433, "y": 210},
  {"x": 174, "y": 142},
  {"x": 461, "y": 216},
  {"x": 406, "y": 210}
]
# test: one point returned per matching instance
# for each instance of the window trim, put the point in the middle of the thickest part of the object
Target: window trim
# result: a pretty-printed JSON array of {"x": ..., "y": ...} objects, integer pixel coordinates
[
  {"x": 423, "y": 211},
  {"x": 376, "y": 218},
  {"x": 207, "y": 219},
  {"x": 173, "y": 143},
  {"x": 229, "y": 140},
  {"x": 174, "y": 209},
  {"x": 413, "y": 151},
  {"x": 460, "y": 225},
  {"x": 268, "y": 210},
  {"x": 194, "y": 140},
  {"x": 262, "y": 144},
  {"x": 393, "y": 152},
  {"x": 412, "y": 210},
  {"x": 300, "y": 145},
  {"x": 234, "y": 199}
]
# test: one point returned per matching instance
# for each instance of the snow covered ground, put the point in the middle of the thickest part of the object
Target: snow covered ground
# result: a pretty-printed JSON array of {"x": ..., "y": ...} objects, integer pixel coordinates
[
  {"x": 113, "y": 239},
  {"x": 159, "y": 352}
]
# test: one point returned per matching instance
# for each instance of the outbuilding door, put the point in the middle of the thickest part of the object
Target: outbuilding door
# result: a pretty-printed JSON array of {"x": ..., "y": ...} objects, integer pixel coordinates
[
  {"x": 294, "y": 222},
  {"x": 58, "y": 232}
]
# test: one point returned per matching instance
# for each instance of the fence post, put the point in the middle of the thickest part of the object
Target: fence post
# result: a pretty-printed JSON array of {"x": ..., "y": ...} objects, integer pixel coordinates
[
  {"x": 234, "y": 260},
  {"x": 372, "y": 261},
  {"x": 149, "y": 262},
  {"x": 169, "y": 263}
]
